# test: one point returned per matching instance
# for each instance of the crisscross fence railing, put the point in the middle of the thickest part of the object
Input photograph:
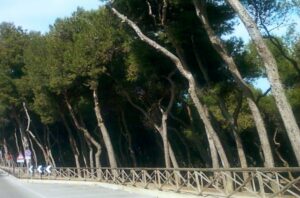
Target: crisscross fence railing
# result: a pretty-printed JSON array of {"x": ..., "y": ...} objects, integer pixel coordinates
[{"x": 234, "y": 182}]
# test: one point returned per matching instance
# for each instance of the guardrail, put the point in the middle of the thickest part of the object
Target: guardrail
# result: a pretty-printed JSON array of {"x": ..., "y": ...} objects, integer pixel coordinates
[{"x": 234, "y": 182}]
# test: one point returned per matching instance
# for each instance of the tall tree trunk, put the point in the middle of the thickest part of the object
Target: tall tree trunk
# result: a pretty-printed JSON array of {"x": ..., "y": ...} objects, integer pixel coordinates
[
  {"x": 122, "y": 159},
  {"x": 44, "y": 151},
  {"x": 213, "y": 152},
  {"x": 6, "y": 153},
  {"x": 72, "y": 141},
  {"x": 83, "y": 149},
  {"x": 129, "y": 139},
  {"x": 24, "y": 139},
  {"x": 85, "y": 132},
  {"x": 192, "y": 85},
  {"x": 17, "y": 142},
  {"x": 50, "y": 157},
  {"x": 270, "y": 64},
  {"x": 91, "y": 152},
  {"x": 228, "y": 117},
  {"x": 235, "y": 130},
  {"x": 222, "y": 51},
  {"x": 185, "y": 144},
  {"x": 212, "y": 148},
  {"x": 164, "y": 135},
  {"x": 173, "y": 157},
  {"x": 162, "y": 128},
  {"x": 34, "y": 152},
  {"x": 201, "y": 150},
  {"x": 89, "y": 145},
  {"x": 103, "y": 129},
  {"x": 49, "y": 147}
]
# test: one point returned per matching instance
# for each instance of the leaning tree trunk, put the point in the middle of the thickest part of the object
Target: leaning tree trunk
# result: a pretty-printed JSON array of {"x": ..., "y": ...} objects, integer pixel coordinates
[
  {"x": 83, "y": 149},
  {"x": 44, "y": 151},
  {"x": 201, "y": 150},
  {"x": 89, "y": 145},
  {"x": 185, "y": 144},
  {"x": 34, "y": 152},
  {"x": 270, "y": 64},
  {"x": 49, "y": 147},
  {"x": 173, "y": 157},
  {"x": 85, "y": 133},
  {"x": 192, "y": 85},
  {"x": 165, "y": 139},
  {"x": 228, "y": 117},
  {"x": 213, "y": 152},
  {"x": 167, "y": 148},
  {"x": 162, "y": 129},
  {"x": 6, "y": 153},
  {"x": 212, "y": 147},
  {"x": 72, "y": 141},
  {"x": 103, "y": 129},
  {"x": 222, "y": 51},
  {"x": 24, "y": 139},
  {"x": 91, "y": 152},
  {"x": 50, "y": 156},
  {"x": 17, "y": 142}
]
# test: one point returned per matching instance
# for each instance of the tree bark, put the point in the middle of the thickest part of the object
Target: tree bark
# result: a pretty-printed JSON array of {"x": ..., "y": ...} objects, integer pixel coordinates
[
  {"x": 213, "y": 152},
  {"x": 17, "y": 142},
  {"x": 173, "y": 157},
  {"x": 6, "y": 153},
  {"x": 212, "y": 148},
  {"x": 89, "y": 144},
  {"x": 270, "y": 64},
  {"x": 34, "y": 152},
  {"x": 49, "y": 147},
  {"x": 228, "y": 117},
  {"x": 164, "y": 135},
  {"x": 222, "y": 51},
  {"x": 85, "y": 132},
  {"x": 201, "y": 150},
  {"x": 192, "y": 85},
  {"x": 72, "y": 141},
  {"x": 159, "y": 129},
  {"x": 186, "y": 146},
  {"x": 103, "y": 130},
  {"x": 83, "y": 149},
  {"x": 44, "y": 151},
  {"x": 168, "y": 151},
  {"x": 24, "y": 139}
]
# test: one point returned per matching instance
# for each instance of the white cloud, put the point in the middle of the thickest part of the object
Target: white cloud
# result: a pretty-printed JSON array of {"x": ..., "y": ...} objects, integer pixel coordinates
[{"x": 39, "y": 14}]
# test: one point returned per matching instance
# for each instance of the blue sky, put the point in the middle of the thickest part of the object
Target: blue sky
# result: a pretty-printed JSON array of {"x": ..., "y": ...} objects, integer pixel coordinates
[
  {"x": 39, "y": 14},
  {"x": 240, "y": 30}
]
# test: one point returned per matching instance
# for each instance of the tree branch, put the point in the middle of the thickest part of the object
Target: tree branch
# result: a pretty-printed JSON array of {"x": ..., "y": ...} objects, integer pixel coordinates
[
  {"x": 28, "y": 120},
  {"x": 263, "y": 95},
  {"x": 141, "y": 110},
  {"x": 154, "y": 44}
]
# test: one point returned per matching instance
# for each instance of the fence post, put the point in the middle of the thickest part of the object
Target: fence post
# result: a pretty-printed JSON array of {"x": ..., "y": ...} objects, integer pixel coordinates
[{"x": 261, "y": 185}]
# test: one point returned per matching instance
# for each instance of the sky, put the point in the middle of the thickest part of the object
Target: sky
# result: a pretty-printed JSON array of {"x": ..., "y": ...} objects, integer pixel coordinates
[
  {"x": 39, "y": 14},
  {"x": 240, "y": 30}
]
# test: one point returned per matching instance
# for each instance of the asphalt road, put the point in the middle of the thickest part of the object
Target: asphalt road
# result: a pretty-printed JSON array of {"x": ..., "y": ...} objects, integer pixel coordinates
[{"x": 11, "y": 187}]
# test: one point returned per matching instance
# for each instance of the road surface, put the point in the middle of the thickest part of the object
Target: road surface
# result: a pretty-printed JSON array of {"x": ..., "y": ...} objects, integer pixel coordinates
[{"x": 11, "y": 187}]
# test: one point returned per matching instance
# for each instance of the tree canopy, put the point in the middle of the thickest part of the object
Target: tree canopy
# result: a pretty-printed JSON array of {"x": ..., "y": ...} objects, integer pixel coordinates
[{"x": 149, "y": 83}]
